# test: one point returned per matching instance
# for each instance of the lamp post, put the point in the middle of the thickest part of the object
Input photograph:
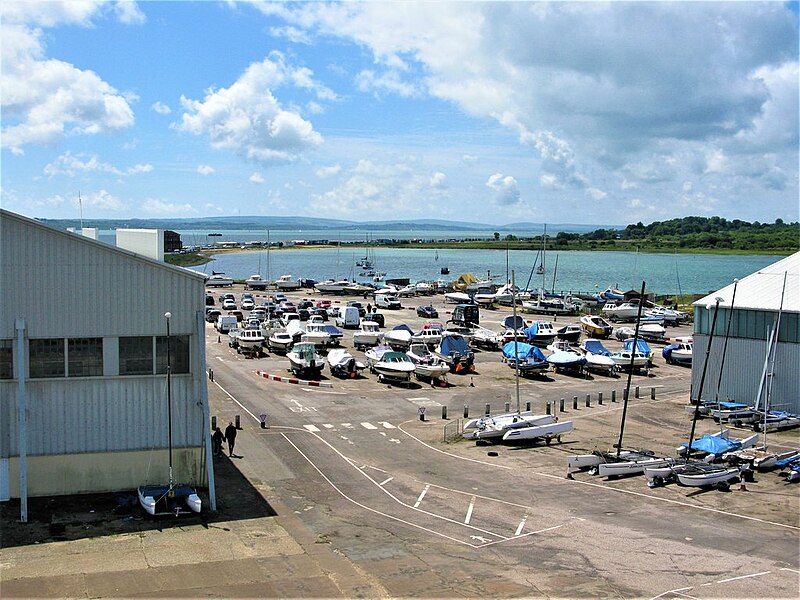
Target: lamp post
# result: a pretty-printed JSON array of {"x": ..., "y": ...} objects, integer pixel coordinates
[{"x": 717, "y": 301}]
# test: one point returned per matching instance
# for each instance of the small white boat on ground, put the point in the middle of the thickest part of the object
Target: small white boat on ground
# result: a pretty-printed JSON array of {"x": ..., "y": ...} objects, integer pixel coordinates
[
  {"x": 486, "y": 338},
  {"x": 367, "y": 336},
  {"x": 219, "y": 280},
  {"x": 285, "y": 282},
  {"x": 494, "y": 427},
  {"x": 280, "y": 341},
  {"x": 536, "y": 432},
  {"x": 427, "y": 365},
  {"x": 595, "y": 326},
  {"x": 169, "y": 499},
  {"x": 255, "y": 282},
  {"x": 317, "y": 334},
  {"x": 679, "y": 352},
  {"x": 344, "y": 364},
  {"x": 389, "y": 364},
  {"x": 540, "y": 333},
  {"x": 304, "y": 359},
  {"x": 250, "y": 340},
  {"x": 566, "y": 358},
  {"x": 398, "y": 338},
  {"x": 623, "y": 311}
]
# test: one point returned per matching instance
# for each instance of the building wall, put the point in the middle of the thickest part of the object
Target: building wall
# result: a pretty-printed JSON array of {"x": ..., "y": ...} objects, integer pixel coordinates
[
  {"x": 147, "y": 242},
  {"x": 742, "y": 371}
]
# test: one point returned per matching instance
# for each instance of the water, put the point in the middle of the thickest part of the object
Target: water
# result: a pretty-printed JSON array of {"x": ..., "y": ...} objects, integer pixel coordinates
[{"x": 578, "y": 271}]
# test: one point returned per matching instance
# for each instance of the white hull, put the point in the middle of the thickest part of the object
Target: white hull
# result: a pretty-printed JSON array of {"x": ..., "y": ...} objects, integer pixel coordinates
[
  {"x": 362, "y": 339},
  {"x": 600, "y": 364},
  {"x": 586, "y": 461},
  {"x": 431, "y": 371},
  {"x": 630, "y": 467},
  {"x": 538, "y": 431},
  {"x": 497, "y": 426},
  {"x": 711, "y": 477},
  {"x": 391, "y": 371}
]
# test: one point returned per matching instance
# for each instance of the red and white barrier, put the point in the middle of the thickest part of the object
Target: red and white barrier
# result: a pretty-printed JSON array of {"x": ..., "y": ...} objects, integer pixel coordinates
[{"x": 294, "y": 380}]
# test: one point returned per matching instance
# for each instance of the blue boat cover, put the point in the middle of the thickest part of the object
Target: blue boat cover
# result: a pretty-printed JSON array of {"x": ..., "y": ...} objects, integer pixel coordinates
[
  {"x": 795, "y": 458},
  {"x": 333, "y": 330},
  {"x": 596, "y": 347},
  {"x": 714, "y": 445},
  {"x": 403, "y": 327},
  {"x": 523, "y": 351},
  {"x": 531, "y": 331},
  {"x": 641, "y": 346},
  {"x": 667, "y": 350},
  {"x": 511, "y": 322},
  {"x": 454, "y": 343}
]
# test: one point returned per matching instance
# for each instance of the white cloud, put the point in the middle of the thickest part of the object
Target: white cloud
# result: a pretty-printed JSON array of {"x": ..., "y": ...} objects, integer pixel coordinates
[
  {"x": 129, "y": 13},
  {"x": 716, "y": 161},
  {"x": 596, "y": 194},
  {"x": 205, "y": 169},
  {"x": 154, "y": 206},
  {"x": 102, "y": 200},
  {"x": 248, "y": 119},
  {"x": 256, "y": 178},
  {"x": 161, "y": 108},
  {"x": 293, "y": 34},
  {"x": 506, "y": 189},
  {"x": 324, "y": 172},
  {"x": 390, "y": 81},
  {"x": 438, "y": 180},
  {"x": 69, "y": 164}
]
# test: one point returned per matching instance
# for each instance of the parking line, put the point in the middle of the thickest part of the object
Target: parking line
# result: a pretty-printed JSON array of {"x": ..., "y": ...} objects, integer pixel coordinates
[
  {"x": 387, "y": 425},
  {"x": 744, "y": 577},
  {"x": 385, "y": 481},
  {"x": 368, "y": 426},
  {"x": 327, "y": 426},
  {"x": 311, "y": 428},
  {"x": 469, "y": 511},
  {"x": 421, "y": 496},
  {"x": 521, "y": 525}
]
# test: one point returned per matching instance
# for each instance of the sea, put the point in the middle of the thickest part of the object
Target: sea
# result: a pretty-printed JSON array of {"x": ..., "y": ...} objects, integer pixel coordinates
[{"x": 569, "y": 271}]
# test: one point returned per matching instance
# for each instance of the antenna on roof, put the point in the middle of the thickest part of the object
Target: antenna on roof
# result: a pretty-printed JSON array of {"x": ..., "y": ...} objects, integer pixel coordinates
[{"x": 80, "y": 205}]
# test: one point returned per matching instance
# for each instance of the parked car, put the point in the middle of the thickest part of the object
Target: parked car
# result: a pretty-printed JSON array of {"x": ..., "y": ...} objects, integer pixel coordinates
[
  {"x": 304, "y": 313},
  {"x": 306, "y": 303},
  {"x": 229, "y": 304},
  {"x": 323, "y": 303},
  {"x": 376, "y": 318},
  {"x": 278, "y": 298},
  {"x": 427, "y": 312},
  {"x": 361, "y": 310},
  {"x": 318, "y": 312},
  {"x": 247, "y": 295},
  {"x": 210, "y": 300},
  {"x": 212, "y": 315},
  {"x": 248, "y": 304}
]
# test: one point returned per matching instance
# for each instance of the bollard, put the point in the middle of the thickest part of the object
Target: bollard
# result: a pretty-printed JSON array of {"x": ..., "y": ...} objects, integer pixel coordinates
[
  {"x": 575, "y": 403},
  {"x": 466, "y": 411},
  {"x": 588, "y": 400},
  {"x": 613, "y": 395},
  {"x": 561, "y": 405},
  {"x": 636, "y": 392},
  {"x": 213, "y": 423},
  {"x": 528, "y": 406},
  {"x": 600, "y": 398},
  {"x": 238, "y": 422},
  {"x": 625, "y": 394},
  {"x": 652, "y": 393},
  {"x": 547, "y": 407},
  {"x": 263, "y": 421},
  {"x": 219, "y": 340},
  {"x": 507, "y": 407},
  {"x": 488, "y": 410},
  {"x": 444, "y": 412}
]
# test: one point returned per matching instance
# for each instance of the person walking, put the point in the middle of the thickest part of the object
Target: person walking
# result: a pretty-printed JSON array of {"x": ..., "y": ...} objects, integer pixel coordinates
[
  {"x": 230, "y": 435},
  {"x": 218, "y": 438}
]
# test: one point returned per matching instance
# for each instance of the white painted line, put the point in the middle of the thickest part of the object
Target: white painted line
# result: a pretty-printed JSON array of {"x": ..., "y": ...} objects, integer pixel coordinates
[
  {"x": 687, "y": 596},
  {"x": 368, "y": 426},
  {"x": 347, "y": 425},
  {"x": 417, "y": 399},
  {"x": 387, "y": 425},
  {"x": 686, "y": 589},
  {"x": 521, "y": 525},
  {"x": 744, "y": 577},
  {"x": 385, "y": 481},
  {"x": 311, "y": 428},
  {"x": 788, "y": 569},
  {"x": 421, "y": 496},
  {"x": 327, "y": 426},
  {"x": 469, "y": 511}
]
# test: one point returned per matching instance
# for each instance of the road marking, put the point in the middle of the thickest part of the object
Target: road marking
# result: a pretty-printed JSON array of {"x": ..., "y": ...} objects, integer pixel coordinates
[
  {"x": 311, "y": 428},
  {"x": 677, "y": 591},
  {"x": 387, "y": 425},
  {"x": 479, "y": 538},
  {"x": 788, "y": 569},
  {"x": 368, "y": 426},
  {"x": 521, "y": 525},
  {"x": 394, "y": 441},
  {"x": 327, "y": 426},
  {"x": 385, "y": 481},
  {"x": 383, "y": 433},
  {"x": 744, "y": 577},
  {"x": 421, "y": 496},
  {"x": 347, "y": 425},
  {"x": 469, "y": 511}
]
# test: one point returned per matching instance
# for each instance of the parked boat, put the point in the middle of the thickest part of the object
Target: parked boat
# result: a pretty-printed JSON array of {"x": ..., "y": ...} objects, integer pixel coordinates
[
  {"x": 775, "y": 420},
  {"x": 389, "y": 364},
  {"x": 285, "y": 282},
  {"x": 495, "y": 427},
  {"x": 570, "y": 333},
  {"x": 457, "y": 298},
  {"x": 623, "y": 311},
  {"x": 486, "y": 338},
  {"x": 368, "y": 335},
  {"x": 317, "y": 334},
  {"x": 528, "y": 359},
  {"x": 304, "y": 359},
  {"x": 596, "y": 327},
  {"x": 679, "y": 353},
  {"x": 219, "y": 280},
  {"x": 344, "y": 364},
  {"x": 536, "y": 432},
  {"x": 256, "y": 282},
  {"x": 598, "y": 359},
  {"x": 454, "y": 350},
  {"x": 627, "y": 358},
  {"x": 632, "y": 463},
  {"x": 398, "y": 338},
  {"x": 651, "y": 332},
  {"x": 550, "y": 306},
  {"x": 330, "y": 286},
  {"x": 566, "y": 358},
  {"x": 540, "y": 333},
  {"x": 698, "y": 474},
  {"x": 280, "y": 341},
  {"x": 251, "y": 340},
  {"x": 427, "y": 365}
]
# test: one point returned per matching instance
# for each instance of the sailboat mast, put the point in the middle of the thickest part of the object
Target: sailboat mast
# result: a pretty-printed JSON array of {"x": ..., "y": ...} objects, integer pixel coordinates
[
  {"x": 516, "y": 354},
  {"x": 771, "y": 375},
  {"x": 168, "y": 315},
  {"x": 630, "y": 371},
  {"x": 544, "y": 256},
  {"x": 725, "y": 345},
  {"x": 555, "y": 271}
]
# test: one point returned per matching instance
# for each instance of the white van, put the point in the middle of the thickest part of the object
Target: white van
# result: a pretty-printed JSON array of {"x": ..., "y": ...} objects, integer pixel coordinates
[
  {"x": 348, "y": 317},
  {"x": 225, "y": 323},
  {"x": 387, "y": 301}
]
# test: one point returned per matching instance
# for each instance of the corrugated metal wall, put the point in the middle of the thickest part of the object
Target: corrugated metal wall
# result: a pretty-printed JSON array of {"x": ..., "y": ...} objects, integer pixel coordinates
[{"x": 743, "y": 367}]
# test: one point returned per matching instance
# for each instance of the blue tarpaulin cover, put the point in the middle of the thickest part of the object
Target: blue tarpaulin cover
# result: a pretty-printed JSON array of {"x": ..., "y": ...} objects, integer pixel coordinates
[
  {"x": 641, "y": 346},
  {"x": 714, "y": 445},
  {"x": 523, "y": 351},
  {"x": 596, "y": 347},
  {"x": 454, "y": 343}
]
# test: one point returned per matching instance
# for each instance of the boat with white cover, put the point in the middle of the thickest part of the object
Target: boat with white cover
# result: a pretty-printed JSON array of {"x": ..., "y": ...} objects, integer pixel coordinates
[
  {"x": 535, "y": 432},
  {"x": 427, "y": 365},
  {"x": 494, "y": 427},
  {"x": 398, "y": 338},
  {"x": 285, "y": 282},
  {"x": 344, "y": 364},
  {"x": 304, "y": 359},
  {"x": 369, "y": 334},
  {"x": 389, "y": 364}
]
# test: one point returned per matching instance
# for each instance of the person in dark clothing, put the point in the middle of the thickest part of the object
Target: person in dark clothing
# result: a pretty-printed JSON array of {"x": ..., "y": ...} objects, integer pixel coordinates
[
  {"x": 230, "y": 435},
  {"x": 218, "y": 438},
  {"x": 369, "y": 308}
]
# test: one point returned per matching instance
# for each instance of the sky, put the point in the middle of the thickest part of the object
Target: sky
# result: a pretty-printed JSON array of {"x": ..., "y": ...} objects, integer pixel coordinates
[{"x": 498, "y": 112}]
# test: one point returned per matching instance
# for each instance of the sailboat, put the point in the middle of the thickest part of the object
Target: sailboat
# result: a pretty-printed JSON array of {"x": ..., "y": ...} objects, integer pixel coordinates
[
  {"x": 169, "y": 498},
  {"x": 619, "y": 462},
  {"x": 540, "y": 269}
]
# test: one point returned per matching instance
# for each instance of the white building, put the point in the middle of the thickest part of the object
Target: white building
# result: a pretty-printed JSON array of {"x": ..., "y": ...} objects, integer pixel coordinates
[
  {"x": 760, "y": 298},
  {"x": 83, "y": 352}
]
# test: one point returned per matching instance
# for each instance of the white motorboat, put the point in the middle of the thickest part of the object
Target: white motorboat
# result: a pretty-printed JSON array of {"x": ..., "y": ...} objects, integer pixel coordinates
[
  {"x": 535, "y": 432},
  {"x": 427, "y": 365},
  {"x": 423, "y": 288},
  {"x": 670, "y": 316},
  {"x": 398, "y": 338},
  {"x": 698, "y": 474},
  {"x": 389, "y": 364},
  {"x": 599, "y": 362},
  {"x": 219, "y": 280},
  {"x": 251, "y": 340},
  {"x": 652, "y": 332},
  {"x": 344, "y": 364},
  {"x": 304, "y": 358},
  {"x": 317, "y": 334},
  {"x": 540, "y": 333},
  {"x": 255, "y": 282},
  {"x": 280, "y": 341},
  {"x": 631, "y": 465},
  {"x": 550, "y": 306},
  {"x": 570, "y": 333},
  {"x": 457, "y": 298},
  {"x": 596, "y": 326},
  {"x": 368, "y": 335},
  {"x": 680, "y": 352},
  {"x": 285, "y": 282},
  {"x": 407, "y": 291},
  {"x": 627, "y": 358},
  {"x": 622, "y": 311},
  {"x": 431, "y": 336},
  {"x": 486, "y": 338},
  {"x": 496, "y": 426},
  {"x": 329, "y": 286},
  {"x": 565, "y": 358}
]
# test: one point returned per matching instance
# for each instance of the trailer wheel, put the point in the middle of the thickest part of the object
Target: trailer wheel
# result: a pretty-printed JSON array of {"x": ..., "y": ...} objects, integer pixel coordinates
[{"x": 547, "y": 440}]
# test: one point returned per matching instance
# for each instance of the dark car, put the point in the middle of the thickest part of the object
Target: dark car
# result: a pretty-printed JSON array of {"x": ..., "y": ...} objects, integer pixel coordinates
[
  {"x": 319, "y": 311},
  {"x": 304, "y": 313},
  {"x": 427, "y": 312},
  {"x": 361, "y": 310},
  {"x": 305, "y": 303},
  {"x": 210, "y": 300},
  {"x": 376, "y": 318},
  {"x": 212, "y": 314}
]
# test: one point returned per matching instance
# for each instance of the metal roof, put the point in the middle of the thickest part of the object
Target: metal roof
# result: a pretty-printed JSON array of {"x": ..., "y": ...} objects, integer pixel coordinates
[{"x": 762, "y": 290}]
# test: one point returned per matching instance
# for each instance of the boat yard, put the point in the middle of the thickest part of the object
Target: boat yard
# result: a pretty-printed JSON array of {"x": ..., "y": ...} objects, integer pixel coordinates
[{"x": 372, "y": 500}]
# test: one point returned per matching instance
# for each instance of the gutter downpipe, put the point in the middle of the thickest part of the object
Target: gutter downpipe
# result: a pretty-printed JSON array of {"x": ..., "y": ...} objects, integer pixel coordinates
[
  {"x": 201, "y": 351},
  {"x": 22, "y": 421}
]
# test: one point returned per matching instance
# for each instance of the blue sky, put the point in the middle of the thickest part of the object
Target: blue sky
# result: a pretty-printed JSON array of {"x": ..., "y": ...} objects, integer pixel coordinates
[{"x": 569, "y": 112}]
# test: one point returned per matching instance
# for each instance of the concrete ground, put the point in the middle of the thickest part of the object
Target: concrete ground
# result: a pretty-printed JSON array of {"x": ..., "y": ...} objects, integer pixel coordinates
[{"x": 348, "y": 494}]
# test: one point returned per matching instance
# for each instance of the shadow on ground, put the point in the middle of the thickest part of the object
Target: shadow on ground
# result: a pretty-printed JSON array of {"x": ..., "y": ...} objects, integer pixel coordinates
[{"x": 61, "y": 518}]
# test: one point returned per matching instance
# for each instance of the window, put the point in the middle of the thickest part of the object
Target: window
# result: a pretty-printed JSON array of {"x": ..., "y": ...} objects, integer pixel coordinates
[
  {"x": 85, "y": 357},
  {"x": 46, "y": 358},
  {"x": 179, "y": 354},
  {"x": 136, "y": 355},
  {"x": 6, "y": 359}
]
